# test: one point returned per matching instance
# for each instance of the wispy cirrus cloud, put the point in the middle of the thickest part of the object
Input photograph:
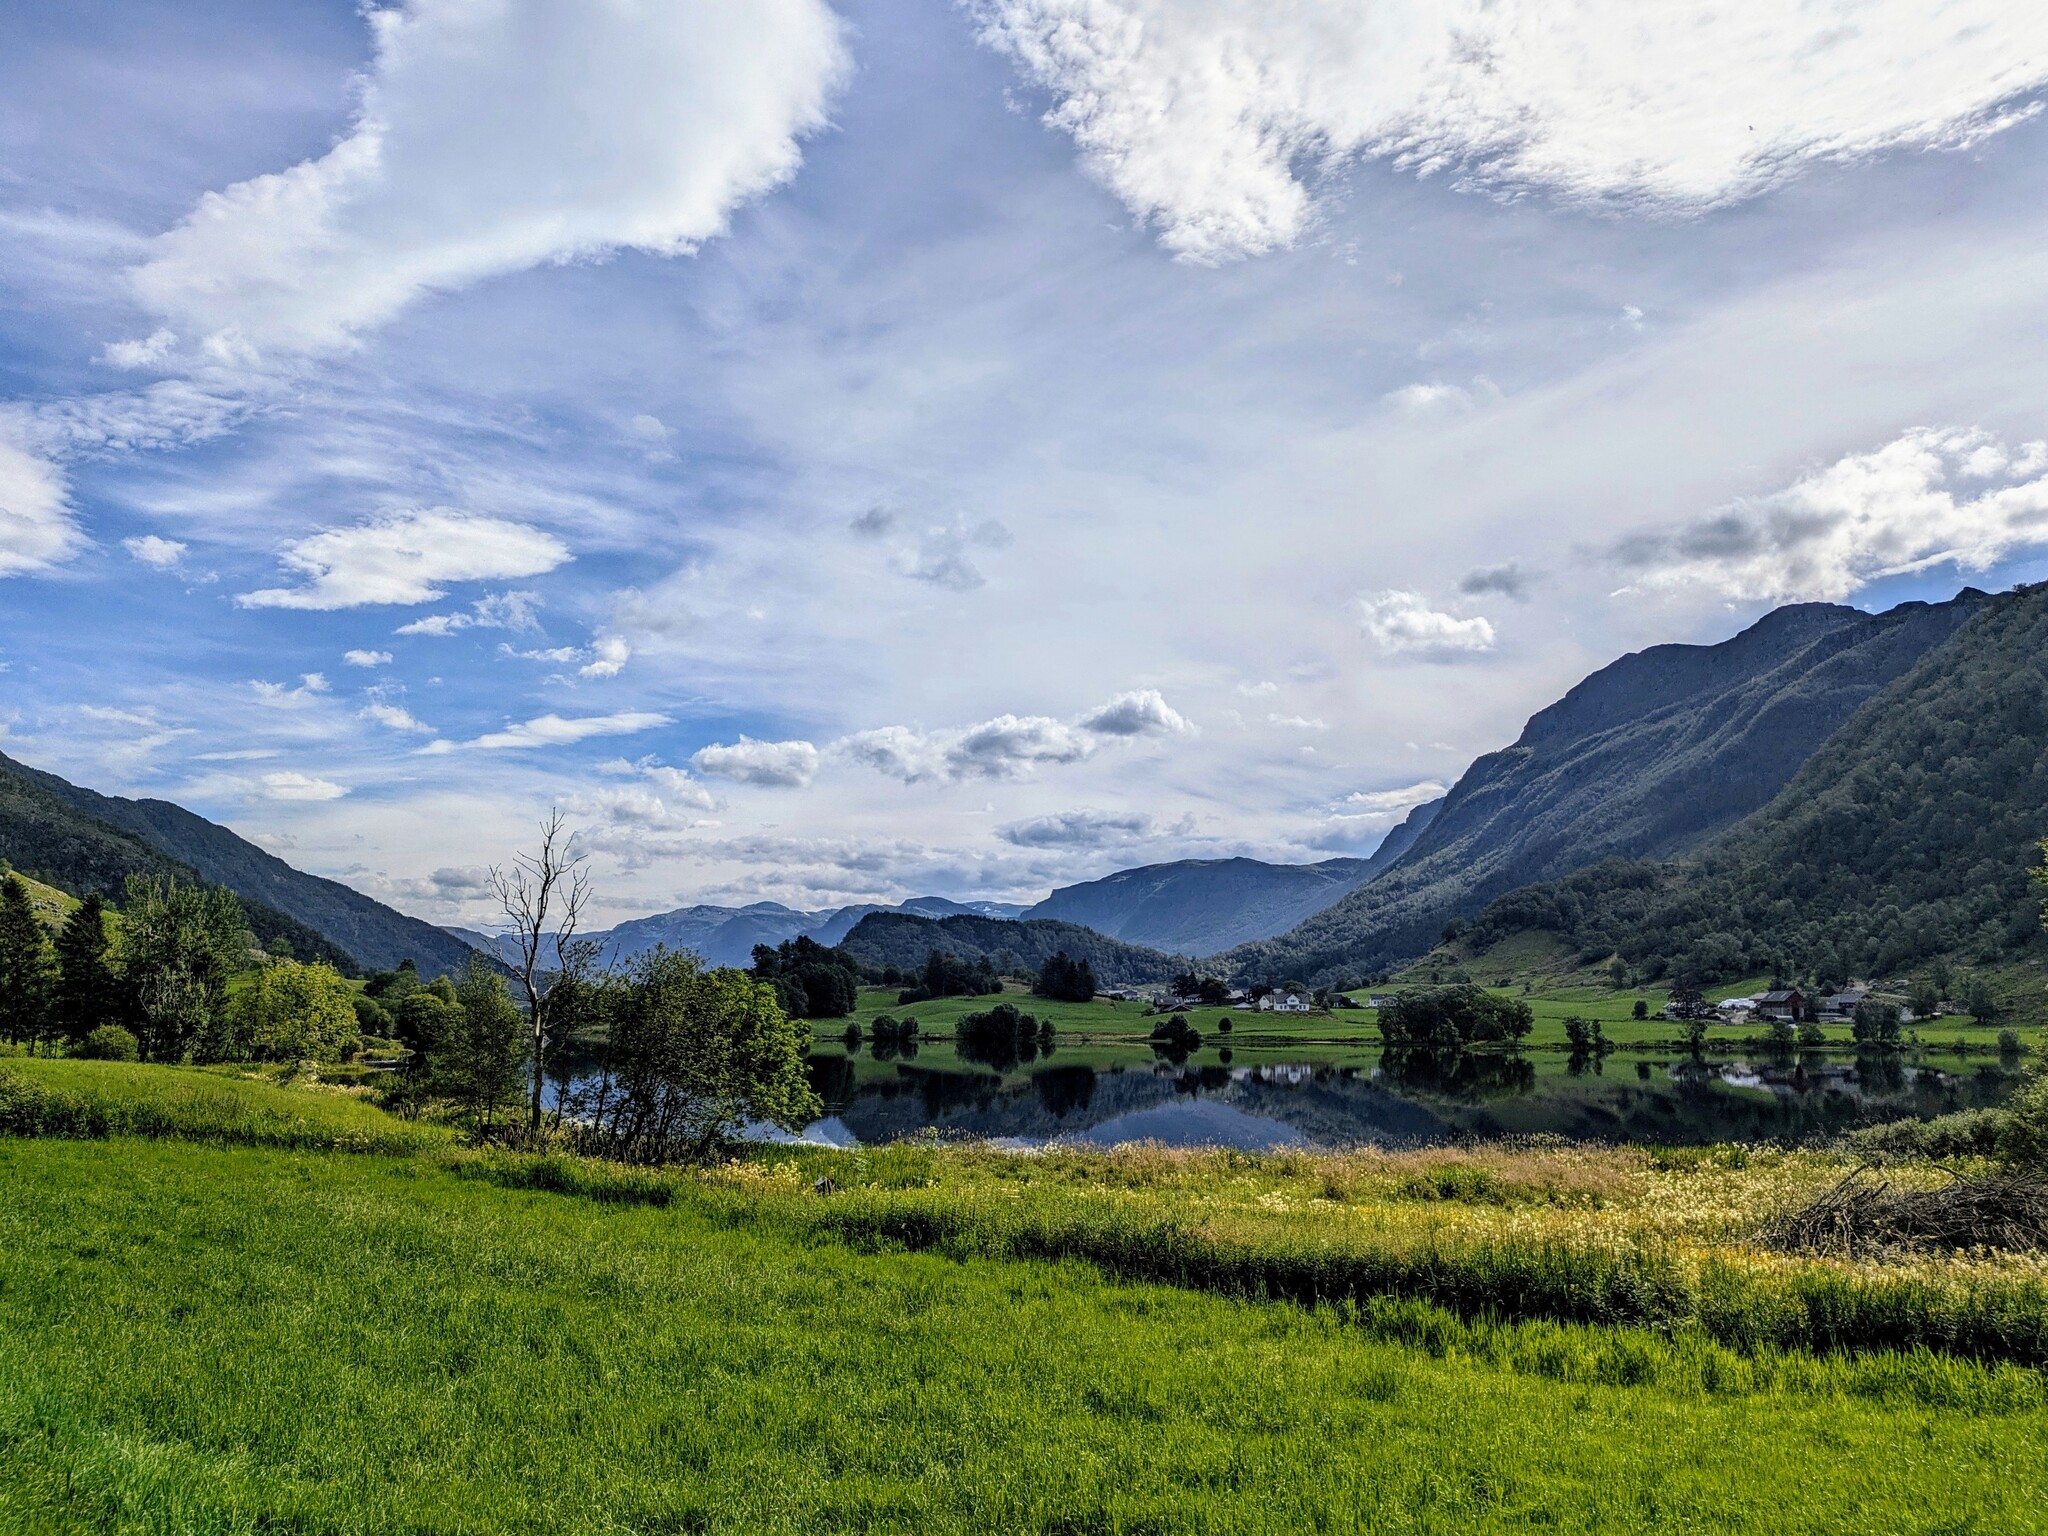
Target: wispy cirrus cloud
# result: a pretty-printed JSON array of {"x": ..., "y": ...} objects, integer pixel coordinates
[{"x": 555, "y": 731}]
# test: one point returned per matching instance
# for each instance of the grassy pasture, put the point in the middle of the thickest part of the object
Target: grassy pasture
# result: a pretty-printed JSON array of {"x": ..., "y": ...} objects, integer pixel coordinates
[{"x": 206, "y": 1339}]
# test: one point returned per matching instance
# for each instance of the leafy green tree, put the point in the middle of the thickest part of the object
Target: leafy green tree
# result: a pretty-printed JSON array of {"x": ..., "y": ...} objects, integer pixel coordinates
[
  {"x": 1693, "y": 1029},
  {"x": 1454, "y": 1016},
  {"x": 480, "y": 1057},
  {"x": 179, "y": 945},
  {"x": 1641, "y": 1009},
  {"x": 1811, "y": 1034},
  {"x": 89, "y": 992},
  {"x": 693, "y": 1056},
  {"x": 27, "y": 968},
  {"x": 1924, "y": 1000},
  {"x": 810, "y": 980},
  {"x": 288, "y": 1012},
  {"x": 1980, "y": 1004},
  {"x": 1617, "y": 973},
  {"x": 1876, "y": 1024}
]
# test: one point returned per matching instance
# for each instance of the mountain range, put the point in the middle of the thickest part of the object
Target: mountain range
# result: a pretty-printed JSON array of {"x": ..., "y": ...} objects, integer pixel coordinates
[{"x": 1648, "y": 758}]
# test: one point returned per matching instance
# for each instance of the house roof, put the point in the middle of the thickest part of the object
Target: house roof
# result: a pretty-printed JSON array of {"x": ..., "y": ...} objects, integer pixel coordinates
[{"x": 1782, "y": 995}]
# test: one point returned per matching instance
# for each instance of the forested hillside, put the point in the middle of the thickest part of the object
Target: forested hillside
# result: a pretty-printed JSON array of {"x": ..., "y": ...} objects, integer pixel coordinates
[
  {"x": 48, "y": 839},
  {"x": 1647, "y": 758},
  {"x": 1908, "y": 837},
  {"x": 91, "y": 842},
  {"x": 901, "y": 940}
]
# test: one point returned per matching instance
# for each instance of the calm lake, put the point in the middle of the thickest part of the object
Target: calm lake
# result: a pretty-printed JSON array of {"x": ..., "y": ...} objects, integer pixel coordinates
[{"x": 1105, "y": 1097}]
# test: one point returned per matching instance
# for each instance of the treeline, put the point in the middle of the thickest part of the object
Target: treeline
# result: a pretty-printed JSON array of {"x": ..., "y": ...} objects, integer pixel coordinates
[
  {"x": 152, "y": 980},
  {"x": 1010, "y": 947},
  {"x": 810, "y": 980}
]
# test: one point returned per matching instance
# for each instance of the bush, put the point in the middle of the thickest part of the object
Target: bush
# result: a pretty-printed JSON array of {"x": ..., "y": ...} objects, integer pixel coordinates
[
  {"x": 110, "y": 1042},
  {"x": 2024, "y": 1140}
]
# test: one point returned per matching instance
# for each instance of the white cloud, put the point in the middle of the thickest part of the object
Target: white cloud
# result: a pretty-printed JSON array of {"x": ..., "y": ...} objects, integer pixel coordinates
[
  {"x": 299, "y": 786},
  {"x": 393, "y": 717},
  {"x": 1143, "y": 712},
  {"x": 776, "y": 764},
  {"x": 1402, "y": 800},
  {"x": 1077, "y": 829},
  {"x": 516, "y": 611},
  {"x": 146, "y": 353},
  {"x": 1429, "y": 399},
  {"x": 555, "y": 731},
  {"x": 1930, "y": 497},
  {"x": 277, "y": 695},
  {"x": 37, "y": 529},
  {"x": 1404, "y": 622},
  {"x": 1204, "y": 115},
  {"x": 158, "y": 554},
  {"x": 367, "y": 658},
  {"x": 405, "y": 559},
  {"x": 1298, "y": 722},
  {"x": 608, "y": 657},
  {"x": 1009, "y": 746},
  {"x": 494, "y": 136}
]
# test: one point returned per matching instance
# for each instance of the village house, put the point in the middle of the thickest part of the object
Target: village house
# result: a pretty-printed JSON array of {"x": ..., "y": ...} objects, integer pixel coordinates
[
  {"x": 1842, "y": 1004},
  {"x": 1787, "y": 1003}
]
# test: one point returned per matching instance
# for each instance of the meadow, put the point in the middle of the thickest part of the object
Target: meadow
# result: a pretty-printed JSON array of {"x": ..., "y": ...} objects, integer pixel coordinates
[{"x": 218, "y": 1328}]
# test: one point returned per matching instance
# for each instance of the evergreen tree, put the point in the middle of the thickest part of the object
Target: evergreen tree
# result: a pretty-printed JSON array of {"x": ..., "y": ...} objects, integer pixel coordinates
[
  {"x": 26, "y": 970},
  {"x": 88, "y": 992}
]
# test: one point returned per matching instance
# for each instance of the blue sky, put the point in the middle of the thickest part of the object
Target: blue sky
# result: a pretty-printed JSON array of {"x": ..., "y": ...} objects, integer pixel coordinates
[{"x": 846, "y": 452}]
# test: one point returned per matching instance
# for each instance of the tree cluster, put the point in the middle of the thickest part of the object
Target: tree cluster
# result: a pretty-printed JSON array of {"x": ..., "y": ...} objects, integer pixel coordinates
[
  {"x": 948, "y": 975},
  {"x": 163, "y": 980},
  {"x": 1002, "y": 1037},
  {"x": 810, "y": 980},
  {"x": 1064, "y": 980},
  {"x": 1454, "y": 1016}
]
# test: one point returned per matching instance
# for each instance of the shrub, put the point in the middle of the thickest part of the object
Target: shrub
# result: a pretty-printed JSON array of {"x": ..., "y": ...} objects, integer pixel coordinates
[
  {"x": 110, "y": 1042},
  {"x": 2024, "y": 1140}
]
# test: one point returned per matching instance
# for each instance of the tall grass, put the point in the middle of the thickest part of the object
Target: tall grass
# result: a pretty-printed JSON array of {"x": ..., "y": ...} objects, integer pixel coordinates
[
  {"x": 207, "y": 1339},
  {"x": 97, "y": 1100}
]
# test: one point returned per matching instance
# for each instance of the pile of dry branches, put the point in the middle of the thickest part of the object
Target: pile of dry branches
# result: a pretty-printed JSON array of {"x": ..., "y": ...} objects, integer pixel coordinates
[{"x": 1866, "y": 1216}]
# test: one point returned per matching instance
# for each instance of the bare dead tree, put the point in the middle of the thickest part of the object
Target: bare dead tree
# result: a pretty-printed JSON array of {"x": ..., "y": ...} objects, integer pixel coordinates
[{"x": 543, "y": 894}]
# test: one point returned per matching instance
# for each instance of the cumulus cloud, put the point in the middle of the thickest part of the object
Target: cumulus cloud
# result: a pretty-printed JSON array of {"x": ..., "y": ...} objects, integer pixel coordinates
[
  {"x": 1508, "y": 580},
  {"x": 37, "y": 528},
  {"x": 367, "y": 658},
  {"x": 1932, "y": 496},
  {"x": 1204, "y": 116},
  {"x": 608, "y": 657},
  {"x": 406, "y": 559},
  {"x": 1142, "y": 712},
  {"x": 1009, "y": 746},
  {"x": 1404, "y": 623},
  {"x": 556, "y": 731},
  {"x": 493, "y": 136},
  {"x": 776, "y": 764},
  {"x": 158, "y": 554},
  {"x": 287, "y": 785},
  {"x": 1077, "y": 829}
]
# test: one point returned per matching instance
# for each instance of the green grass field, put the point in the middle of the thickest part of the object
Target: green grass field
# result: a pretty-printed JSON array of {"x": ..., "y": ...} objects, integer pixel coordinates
[
  {"x": 242, "y": 1334},
  {"x": 201, "y": 1340}
]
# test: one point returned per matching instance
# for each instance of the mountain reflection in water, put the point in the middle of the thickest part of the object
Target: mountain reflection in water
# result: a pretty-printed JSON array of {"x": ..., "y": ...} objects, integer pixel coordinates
[{"x": 1408, "y": 1099}]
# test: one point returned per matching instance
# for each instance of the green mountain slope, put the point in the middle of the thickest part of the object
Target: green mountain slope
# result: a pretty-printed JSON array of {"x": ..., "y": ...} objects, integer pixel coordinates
[
  {"x": 1647, "y": 758},
  {"x": 899, "y": 939},
  {"x": 85, "y": 841},
  {"x": 1907, "y": 837}
]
